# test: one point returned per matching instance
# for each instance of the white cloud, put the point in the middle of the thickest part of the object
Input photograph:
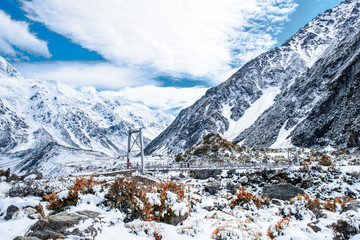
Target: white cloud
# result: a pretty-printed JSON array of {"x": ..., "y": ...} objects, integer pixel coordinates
[
  {"x": 81, "y": 74},
  {"x": 16, "y": 33},
  {"x": 201, "y": 38},
  {"x": 133, "y": 84},
  {"x": 163, "y": 98}
]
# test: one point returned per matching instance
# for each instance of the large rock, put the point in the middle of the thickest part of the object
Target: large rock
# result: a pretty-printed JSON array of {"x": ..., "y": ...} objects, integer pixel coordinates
[
  {"x": 232, "y": 186},
  {"x": 281, "y": 191},
  {"x": 11, "y": 210},
  {"x": 202, "y": 174},
  {"x": 13, "y": 177},
  {"x": 64, "y": 224},
  {"x": 243, "y": 180},
  {"x": 32, "y": 175},
  {"x": 353, "y": 205},
  {"x": 175, "y": 220},
  {"x": 213, "y": 187}
]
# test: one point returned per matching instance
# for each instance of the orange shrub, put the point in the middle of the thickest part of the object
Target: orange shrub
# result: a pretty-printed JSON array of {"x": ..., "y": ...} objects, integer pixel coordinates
[
  {"x": 313, "y": 205},
  {"x": 325, "y": 160},
  {"x": 128, "y": 198},
  {"x": 242, "y": 196},
  {"x": 81, "y": 185},
  {"x": 163, "y": 211},
  {"x": 276, "y": 230},
  {"x": 157, "y": 236}
]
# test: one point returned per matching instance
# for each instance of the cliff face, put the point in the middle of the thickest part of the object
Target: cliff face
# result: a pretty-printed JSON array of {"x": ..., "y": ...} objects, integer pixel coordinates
[{"x": 292, "y": 95}]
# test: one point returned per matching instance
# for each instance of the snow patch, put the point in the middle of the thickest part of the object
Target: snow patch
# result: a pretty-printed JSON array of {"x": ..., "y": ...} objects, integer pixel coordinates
[{"x": 251, "y": 114}]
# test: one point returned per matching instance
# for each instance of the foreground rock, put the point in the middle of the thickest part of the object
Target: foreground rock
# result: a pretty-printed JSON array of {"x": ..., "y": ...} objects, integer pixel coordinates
[
  {"x": 64, "y": 224},
  {"x": 281, "y": 191},
  {"x": 202, "y": 174},
  {"x": 213, "y": 187},
  {"x": 353, "y": 205},
  {"x": 11, "y": 210}
]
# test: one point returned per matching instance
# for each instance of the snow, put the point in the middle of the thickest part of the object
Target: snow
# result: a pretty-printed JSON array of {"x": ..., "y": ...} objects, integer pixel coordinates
[
  {"x": 13, "y": 228},
  {"x": 282, "y": 140},
  {"x": 250, "y": 115},
  {"x": 202, "y": 222},
  {"x": 20, "y": 223},
  {"x": 88, "y": 120}
]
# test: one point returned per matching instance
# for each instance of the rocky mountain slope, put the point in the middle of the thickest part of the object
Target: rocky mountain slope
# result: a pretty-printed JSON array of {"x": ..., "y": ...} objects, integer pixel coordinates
[
  {"x": 40, "y": 121},
  {"x": 302, "y": 93}
]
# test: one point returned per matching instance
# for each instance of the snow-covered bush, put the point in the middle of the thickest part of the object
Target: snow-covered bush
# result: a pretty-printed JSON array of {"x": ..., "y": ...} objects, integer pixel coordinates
[
  {"x": 130, "y": 199},
  {"x": 145, "y": 229},
  {"x": 237, "y": 231},
  {"x": 299, "y": 208},
  {"x": 169, "y": 203},
  {"x": 345, "y": 228},
  {"x": 278, "y": 228},
  {"x": 325, "y": 160},
  {"x": 244, "y": 198},
  {"x": 189, "y": 230},
  {"x": 165, "y": 202},
  {"x": 225, "y": 233},
  {"x": 337, "y": 204},
  {"x": 81, "y": 185},
  {"x": 26, "y": 188}
]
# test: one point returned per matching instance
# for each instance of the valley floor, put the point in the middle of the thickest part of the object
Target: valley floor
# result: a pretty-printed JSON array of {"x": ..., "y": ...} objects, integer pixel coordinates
[{"x": 221, "y": 205}]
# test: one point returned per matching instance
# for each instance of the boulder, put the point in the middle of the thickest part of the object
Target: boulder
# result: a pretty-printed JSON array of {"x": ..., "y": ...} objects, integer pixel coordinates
[
  {"x": 232, "y": 186},
  {"x": 350, "y": 193},
  {"x": 202, "y": 174},
  {"x": 11, "y": 210},
  {"x": 212, "y": 187},
  {"x": 276, "y": 202},
  {"x": 64, "y": 224},
  {"x": 353, "y": 205},
  {"x": 216, "y": 173},
  {"x": 175, "y": 220},
  {"x": 32, "y": 175},
  {"x": 13, "y": 177},
  {"x": 231, "y": 172},
  {"x": 313, "y": 226},
  {"x": 243, "y": 180},
  {"x": 281, "y": 191}
]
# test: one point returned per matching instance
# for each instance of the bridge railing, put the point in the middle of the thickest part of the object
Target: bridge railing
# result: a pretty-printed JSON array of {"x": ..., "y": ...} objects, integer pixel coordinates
[{"x": 216, "y": 165}]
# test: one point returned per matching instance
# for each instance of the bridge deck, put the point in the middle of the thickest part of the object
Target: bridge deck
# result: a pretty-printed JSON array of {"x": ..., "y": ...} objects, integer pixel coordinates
[{"x": 128, "y": 169}]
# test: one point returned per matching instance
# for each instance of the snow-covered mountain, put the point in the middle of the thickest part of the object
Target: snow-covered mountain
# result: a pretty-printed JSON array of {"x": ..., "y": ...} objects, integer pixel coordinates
[
  {"x": 40, "y": 120},
  {"x": 304, "y": 93}
]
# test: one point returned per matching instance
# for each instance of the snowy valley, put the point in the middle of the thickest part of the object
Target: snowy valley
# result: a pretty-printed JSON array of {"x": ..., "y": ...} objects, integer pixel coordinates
[{"x": 271, "y": 153}]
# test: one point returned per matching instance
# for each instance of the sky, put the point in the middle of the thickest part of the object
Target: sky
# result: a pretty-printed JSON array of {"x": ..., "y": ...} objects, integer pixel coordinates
[{"x": 163, "y": 53}]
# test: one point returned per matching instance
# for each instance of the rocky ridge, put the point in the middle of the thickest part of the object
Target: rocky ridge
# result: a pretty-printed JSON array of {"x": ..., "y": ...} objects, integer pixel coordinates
[{"x": 298, "y": 94}]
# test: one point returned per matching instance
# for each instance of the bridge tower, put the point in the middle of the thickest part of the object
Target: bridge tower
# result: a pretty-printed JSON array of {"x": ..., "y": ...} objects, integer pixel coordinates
[
  {"x": 135, "y": 136},
  {"x": 290, "y": 151}
]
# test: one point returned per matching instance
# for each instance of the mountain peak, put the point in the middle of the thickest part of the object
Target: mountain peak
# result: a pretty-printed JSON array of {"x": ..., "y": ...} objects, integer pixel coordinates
[{"x": 7, "y": 69}]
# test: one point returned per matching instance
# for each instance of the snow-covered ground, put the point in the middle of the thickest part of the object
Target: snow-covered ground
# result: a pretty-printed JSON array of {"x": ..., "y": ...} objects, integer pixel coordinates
[{"x": 212, "y": 214}]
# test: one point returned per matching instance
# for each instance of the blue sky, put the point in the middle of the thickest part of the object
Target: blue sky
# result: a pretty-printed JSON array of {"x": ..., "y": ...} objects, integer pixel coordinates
[{"x": 139, "y": 48}]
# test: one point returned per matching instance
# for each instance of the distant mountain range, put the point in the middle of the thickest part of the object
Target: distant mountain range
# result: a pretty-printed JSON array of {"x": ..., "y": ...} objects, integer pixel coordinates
[
  {"x": 42, "y": 120},
  {"x": 304, "y": 93}
]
